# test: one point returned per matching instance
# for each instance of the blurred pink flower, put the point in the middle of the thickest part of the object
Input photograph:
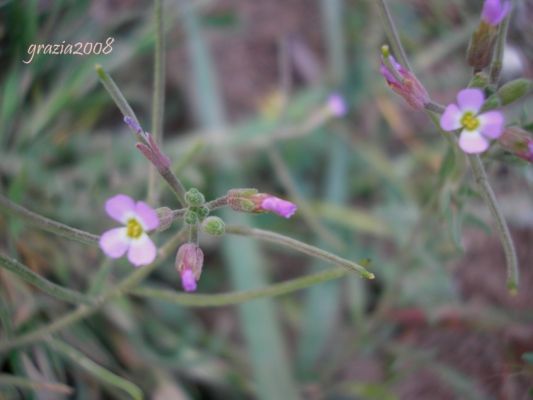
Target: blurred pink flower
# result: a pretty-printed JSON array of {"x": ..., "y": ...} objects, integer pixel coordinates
[
  {"x": 494, "y": 11},
  {"x": 477, "y": 129},
  {"x": 138, "y": 219},
  {"x": 337, "y": 105},
  {"x": 403, "y": 82},
  {"x": 189, "y": 263}
]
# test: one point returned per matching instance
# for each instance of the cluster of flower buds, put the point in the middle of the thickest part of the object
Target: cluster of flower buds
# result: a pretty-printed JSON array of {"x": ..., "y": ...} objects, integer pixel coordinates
[
  {"x": 251, "y": 201},
  {"x": 402, "y": 81},
  {"x": 482, "y": 42}
]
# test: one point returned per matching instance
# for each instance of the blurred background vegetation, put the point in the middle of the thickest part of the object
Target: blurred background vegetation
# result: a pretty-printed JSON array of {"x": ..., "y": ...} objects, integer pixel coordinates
[{"x": 247, "y": 84}]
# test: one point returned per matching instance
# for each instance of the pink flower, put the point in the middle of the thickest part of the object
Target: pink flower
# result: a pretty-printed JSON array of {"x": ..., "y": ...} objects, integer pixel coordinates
[
  {"x": 494, "y": 11},
  {"x": 278, "y": 206},
  {"x": 138, "y": 219},
  {"x": 336, "y": 105},
  {"x": 249, "y": 200},
  {"x": 404, "y": 83},
  {"x": 189, "y": 263},
  {"x": 477, "y": 129}
]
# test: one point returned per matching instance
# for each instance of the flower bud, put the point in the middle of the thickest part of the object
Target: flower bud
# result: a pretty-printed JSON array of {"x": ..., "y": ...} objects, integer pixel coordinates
[
  {"x": 214, "y": 226},
  {"x": 481, "y": 46},
  {"x": 166, "y": 217},
  {"x": 202, "y": 212},
  {"x": 402, "y": 81},
  {"x": 494, "y": 11},
  {"x": 519, "y": 142},
  {"x": 248, "y": 200},
  {"x": 189, "y": 263},
  {"x": 190, "y": 217},
  {"x": 194, "y": 198},
  {"x": 514, "y": 90}
]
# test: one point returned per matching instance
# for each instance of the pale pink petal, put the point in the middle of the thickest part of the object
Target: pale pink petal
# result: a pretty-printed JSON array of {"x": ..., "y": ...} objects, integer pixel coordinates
[
  {"x": 494, "y": 11},
  {"x": 491, "y": 124},
  {"x": 279, "y": 206},
  {"x": 473, "y": 142},
  {"x": 451, "y": 118},
  {"x": 470, "y": 100},
  {"x": 188, "y": 281},
  {"x": 146, "y": 215},
  {"x": 114, "y": 242},
  {"x": 120, "y": 207},
  {"x": 142, "y": 251}
]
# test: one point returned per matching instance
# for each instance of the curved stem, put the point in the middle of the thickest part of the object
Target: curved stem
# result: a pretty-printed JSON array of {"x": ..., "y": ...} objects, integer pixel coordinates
[
  {"x": 225, "y": 299},
  {"x": 47, "y": 224},
  {"x": 299, "y": 246},
  {"x": 501, "y": 225},
  {"x": 392, "y": 33},
  {"x": 54, "y": 290}
]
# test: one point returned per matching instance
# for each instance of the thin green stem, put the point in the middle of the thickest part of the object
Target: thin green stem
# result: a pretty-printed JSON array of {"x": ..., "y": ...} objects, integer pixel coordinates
[
  {"x": 54, "y": 290},
  {"x": 85, "y": 310},
  {"x": 392, "y": 33},
  {"x": 47, "y": 224},
  {"x": 29, "y": 384},
  {"x": 501, "y": 225},
  {"x": 117, "y": 96},
  {"x": 225, "y": 299},
  {"x": 299, "y": 246},
  {"x": 95, "y": 369},
  {"x": 158, "y": 99},
  {"x": 497, "y": 59}
]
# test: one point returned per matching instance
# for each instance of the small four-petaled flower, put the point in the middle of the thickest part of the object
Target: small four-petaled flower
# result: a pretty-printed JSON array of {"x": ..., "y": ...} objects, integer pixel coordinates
[
  {"x": 476, "y": 129},
  {"x": 138, "y": 218}
]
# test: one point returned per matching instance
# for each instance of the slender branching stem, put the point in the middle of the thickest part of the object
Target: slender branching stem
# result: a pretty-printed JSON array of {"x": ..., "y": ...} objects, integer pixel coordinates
[
  {"x": 294, "y": 244},
  {"x": 392, "y": 33},
  {"x": 54, "y": 290},
  {"x": 47, "y": 224},
  {"x": 225, "y": 299},
  {"x": 117, "y": 96},
  {"x": 158, "y": 99},
  {"x": 501, "y": 225}
]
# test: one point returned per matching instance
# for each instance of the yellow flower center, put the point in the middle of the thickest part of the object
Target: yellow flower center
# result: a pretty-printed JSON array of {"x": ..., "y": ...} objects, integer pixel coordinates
[
  {"x": 134, "y": 229},
  {"x": 469, "y": 121}
]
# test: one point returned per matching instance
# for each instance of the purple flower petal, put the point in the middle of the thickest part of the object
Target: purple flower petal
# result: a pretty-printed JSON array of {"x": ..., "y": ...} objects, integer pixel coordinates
[
  {"x": 120, "y": 207},
  {"x": 491, "y": 124},
  {"x": 451, "y": 118},
  {"x": 278, "y": 206},
  {"x": 494, "y": 11},
  {"x": 147, "y": 216},
  {"x": 473, "y": 142},
  {"x": 337, "y": 105},
  {"x": 188, "y": 281},
  {"x": 114, "y": 242},
  {"x": 470, "y": 100},
  {"x": 142, "y": 251}
]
